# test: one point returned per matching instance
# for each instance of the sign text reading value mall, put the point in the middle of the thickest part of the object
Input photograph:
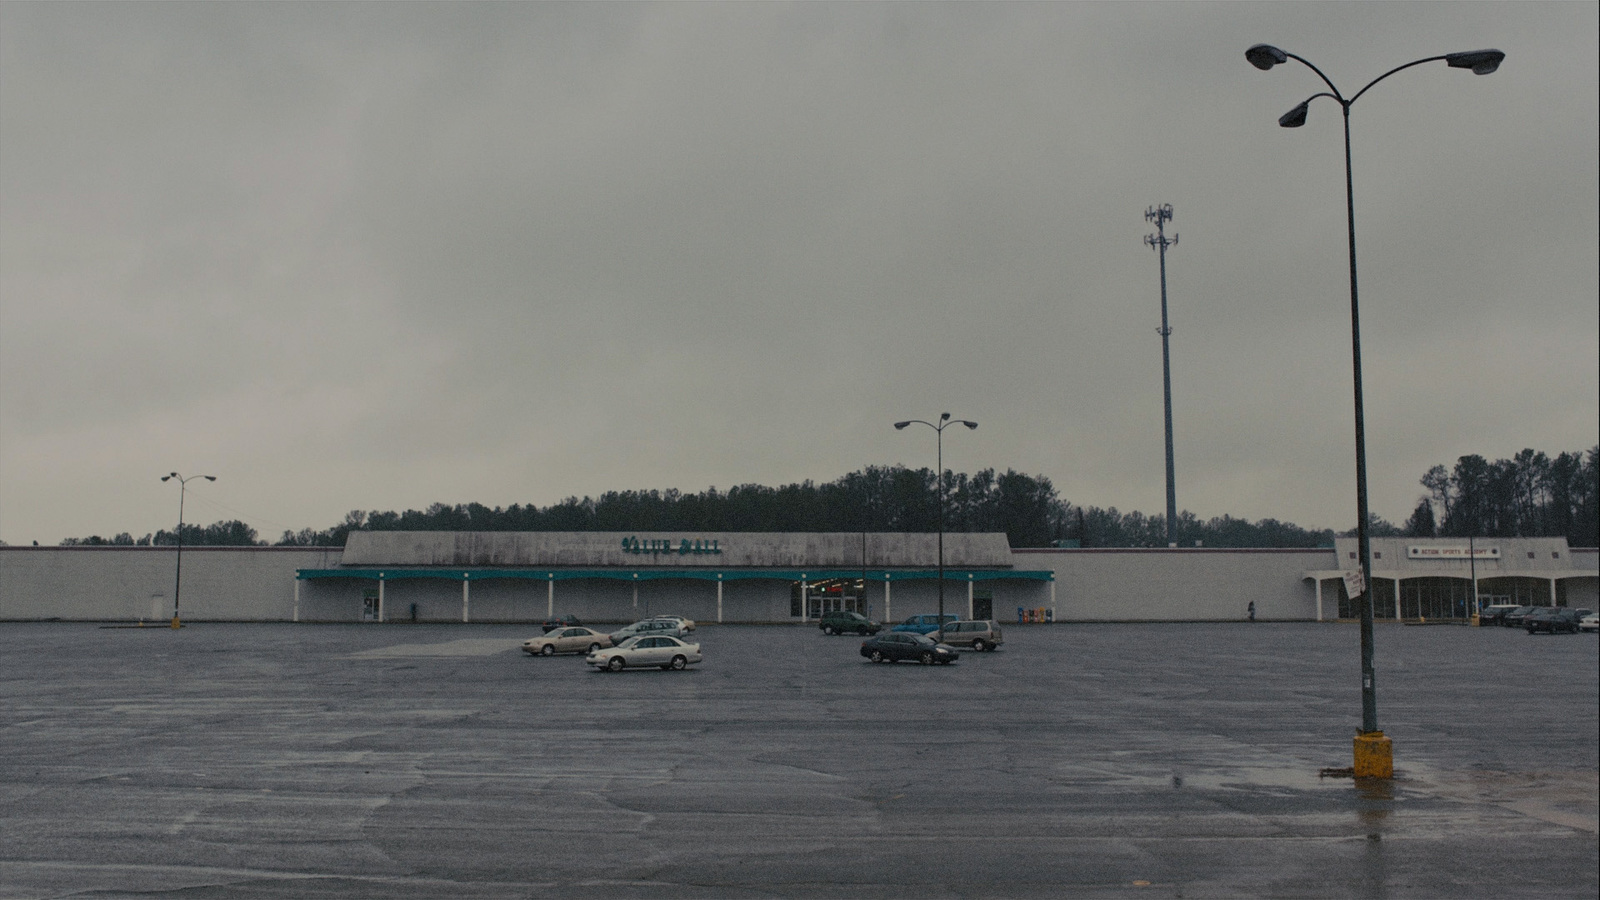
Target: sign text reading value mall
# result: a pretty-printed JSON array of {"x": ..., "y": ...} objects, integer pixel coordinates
[{"x": 682, "y": 547}]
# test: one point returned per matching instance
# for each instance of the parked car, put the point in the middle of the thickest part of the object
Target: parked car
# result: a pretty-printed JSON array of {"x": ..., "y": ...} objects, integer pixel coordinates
[
  {"x": 1591, "y": 622},
  {"x": 925, "y": 624},
  {"x": 657, "y": 650},
  {"x": 898, "y": 645},
  {"x": 1513, "y": 618},
  {"x": 840, "y": 622},
  {"x": 686, "y": 625},
  {"x": 1494, "y": 613},
  {"x": 1552, "y": 620},
  {"x": 560, "y": 622},
  {"x": 979, "y": 634},
  {"x": 576, "y": 639},
  {"x": 668, "y": 627}
]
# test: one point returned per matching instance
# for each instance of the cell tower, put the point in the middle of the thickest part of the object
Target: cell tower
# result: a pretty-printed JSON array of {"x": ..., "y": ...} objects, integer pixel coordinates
[{"x": 1160, "y": 242}]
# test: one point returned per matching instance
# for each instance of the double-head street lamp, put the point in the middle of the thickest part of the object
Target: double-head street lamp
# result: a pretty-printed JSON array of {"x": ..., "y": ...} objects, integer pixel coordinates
[
  {"x": 944, "y": 420},
  {"x": 1374, "y": 755},
  {"x": 183, "y": 486}
]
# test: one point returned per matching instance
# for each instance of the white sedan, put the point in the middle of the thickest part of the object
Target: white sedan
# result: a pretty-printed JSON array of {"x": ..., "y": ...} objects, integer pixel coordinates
[
  {"x": 572, "y": 639},
  {"x": 647, "y": 650}
]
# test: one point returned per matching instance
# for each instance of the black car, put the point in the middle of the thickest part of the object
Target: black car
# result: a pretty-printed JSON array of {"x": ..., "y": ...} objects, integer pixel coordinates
[
  {"x": 898, "y": 645},
  {"x": 1494, "y": 614},
  {"x": 560, "y": 622},
  {"x": 1513, "y": 618},
  {"x": 1552, "y": 619},
  {"x": 848, "y": 623}
]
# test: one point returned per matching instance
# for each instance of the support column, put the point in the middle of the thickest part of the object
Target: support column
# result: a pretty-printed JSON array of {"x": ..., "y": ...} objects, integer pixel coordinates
[
  {"x": 380, "y": 596},
  {"x": 297, "y": 600},
  {"x": 465, "y": 595},
  {"x": 1052, "y": 600},
  {"x": 1319, "y": 598},
  {"x": 805, "y": 598},
  {"x": 969, "y": 595},
  {"x": 719, "y": 599},
  {"x": 1397, "y": 599},
  {"x": 636, "y": 595},
  {"x": 550, "y": 598},
  {"x": 1552, "y": 591},
  {"x": 887, "y": 615}
]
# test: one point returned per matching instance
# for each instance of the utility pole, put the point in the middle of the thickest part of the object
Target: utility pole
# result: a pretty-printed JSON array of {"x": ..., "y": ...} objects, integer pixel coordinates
[{"x": 1159, "y": 241}]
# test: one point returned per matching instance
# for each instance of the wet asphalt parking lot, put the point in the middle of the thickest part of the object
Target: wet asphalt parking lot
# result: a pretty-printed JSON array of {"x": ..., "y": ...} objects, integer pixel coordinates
[{"x": 1160, "y": 760}]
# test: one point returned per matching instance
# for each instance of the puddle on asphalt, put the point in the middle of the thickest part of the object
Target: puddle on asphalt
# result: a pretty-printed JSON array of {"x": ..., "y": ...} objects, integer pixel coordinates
[{"x": 465, "y": 647}]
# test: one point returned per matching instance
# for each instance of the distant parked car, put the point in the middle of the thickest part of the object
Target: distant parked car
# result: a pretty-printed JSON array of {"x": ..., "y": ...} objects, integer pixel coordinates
[
  {"x": 576, "y": 639},
  {"x": 979, "y": 634},
  {"x": 898, "y": 645},
  {"x": 840, "y": 622},
  {"x": 1492, "y": 614},
  {"x": 925, "y": 624},
  {"x": 1591, "y": 622},
  {"x": 668, "y": 627},
  {"x": 686, "y": 625},
  {"x": 657, "y": 650},
  {"x": 560, "y": 622},
  {"x": 1552, "y": 620},
  {"x": 1513, "y": 618}
]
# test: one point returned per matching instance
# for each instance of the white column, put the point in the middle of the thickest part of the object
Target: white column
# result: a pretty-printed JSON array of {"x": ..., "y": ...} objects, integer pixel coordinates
[
  {"x": 380, "y": 596},
  {"x": 550, "y": 598},
  {"x": 636, "y": 595},
  {"x": 719, "y": 599},
  {"x": 297, "y": 600},
  {"x": 1397, "y": 600},
  {"x": 1319, "y": 598},
  {"x": 465, "y": 593},
  {"x": 1053, "y": 613},
  {"x": 805, "y": 598},
  {"x": 969, "y": 595},
  {"x": 887, "y": 616}
]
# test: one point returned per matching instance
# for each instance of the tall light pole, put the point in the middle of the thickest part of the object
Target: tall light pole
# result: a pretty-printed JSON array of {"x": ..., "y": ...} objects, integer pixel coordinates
[
  {"x": 944, "y": 421},
  {"x": 183, "y": 486},
  {"x": 1374, "y": 754},
  {"x": 1159, "y": 241}
]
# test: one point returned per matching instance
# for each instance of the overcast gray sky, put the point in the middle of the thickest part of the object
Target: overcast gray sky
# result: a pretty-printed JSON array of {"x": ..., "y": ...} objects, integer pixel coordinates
[{"x": 374, "y": 256}]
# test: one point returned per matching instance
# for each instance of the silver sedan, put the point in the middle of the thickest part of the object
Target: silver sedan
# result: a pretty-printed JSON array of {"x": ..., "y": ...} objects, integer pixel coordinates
[{"x": 659, "y": 650}]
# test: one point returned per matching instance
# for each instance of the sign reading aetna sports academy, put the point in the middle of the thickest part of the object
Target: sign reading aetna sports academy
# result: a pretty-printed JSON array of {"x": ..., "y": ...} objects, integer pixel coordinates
[
  {"x": 1458, "y": 552},
  {"x": 682, "y": 547}
]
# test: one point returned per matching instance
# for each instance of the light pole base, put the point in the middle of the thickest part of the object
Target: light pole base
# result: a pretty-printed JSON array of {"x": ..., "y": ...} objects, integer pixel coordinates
[
  {"x": 175, "y": 623},
  {"x": 1374, "y": 755}
]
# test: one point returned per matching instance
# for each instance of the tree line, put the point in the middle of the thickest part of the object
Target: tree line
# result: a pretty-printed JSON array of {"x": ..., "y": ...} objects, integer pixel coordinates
[{"x": 1530, "y": 495}]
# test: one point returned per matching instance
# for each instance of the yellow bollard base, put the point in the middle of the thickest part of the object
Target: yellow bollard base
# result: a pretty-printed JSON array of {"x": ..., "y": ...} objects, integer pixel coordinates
[
  {"x": 175, "y": 622},
  {"x": 1374, "y": 755}
]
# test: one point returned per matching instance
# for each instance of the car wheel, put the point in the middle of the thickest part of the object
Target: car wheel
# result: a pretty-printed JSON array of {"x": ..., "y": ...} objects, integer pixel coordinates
[
  {"x": 548, "y": 650},
  {"x": 616, "y": 663},
  {"x": 827, "y": 629},
  {"x": 678, "y": 662},
  {"x": 979, "y": 645},
  {"x": 877, "y": 656},
  {"x": 927, "y": 658},
  {"x": 594, "y": 648}
]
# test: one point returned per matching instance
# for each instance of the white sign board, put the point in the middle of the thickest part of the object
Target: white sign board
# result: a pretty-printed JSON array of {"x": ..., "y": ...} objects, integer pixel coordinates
[
  {"x": 1354, "y": 585},
  {"x": 1460, "y": 552}
]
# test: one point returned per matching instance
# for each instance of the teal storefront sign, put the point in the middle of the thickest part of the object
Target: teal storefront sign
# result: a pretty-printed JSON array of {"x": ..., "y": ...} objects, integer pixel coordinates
[{"x": 682, "y": 546}]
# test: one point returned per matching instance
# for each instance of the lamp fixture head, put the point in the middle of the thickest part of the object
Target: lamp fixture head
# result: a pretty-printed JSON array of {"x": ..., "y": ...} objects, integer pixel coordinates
[
  {"x": 1296, "y": 117},
  {"x": 1481, "y": 62},
  {"x": 1265, "y": 56},
  {"x": 900, "y": 425}
]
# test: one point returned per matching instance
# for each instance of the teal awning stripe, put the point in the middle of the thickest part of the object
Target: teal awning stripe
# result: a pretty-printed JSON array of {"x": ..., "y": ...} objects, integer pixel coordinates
[{"x": 889, "y": 575}]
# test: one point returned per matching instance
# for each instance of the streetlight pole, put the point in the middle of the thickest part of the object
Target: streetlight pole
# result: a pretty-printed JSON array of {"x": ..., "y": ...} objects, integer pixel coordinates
[
  {"x": 183, "y": 486},
  {"x": 1374, "y": 754},
  {"x": 944, "y": 421}
]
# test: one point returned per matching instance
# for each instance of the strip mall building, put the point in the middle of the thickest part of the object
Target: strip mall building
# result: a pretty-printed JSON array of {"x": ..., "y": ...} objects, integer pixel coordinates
[{"x": 774, "y": 577}]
